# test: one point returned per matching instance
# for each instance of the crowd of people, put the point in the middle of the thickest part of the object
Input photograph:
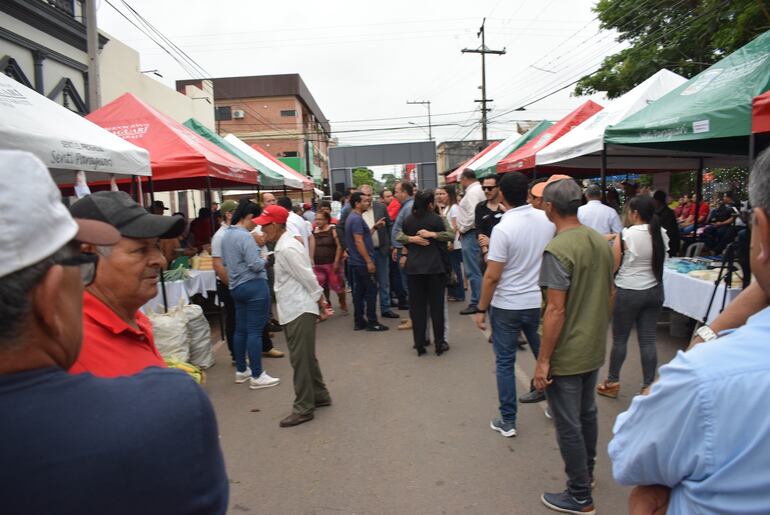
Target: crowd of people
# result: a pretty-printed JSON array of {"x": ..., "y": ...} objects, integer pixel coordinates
[{"x": 545, "y": 259}]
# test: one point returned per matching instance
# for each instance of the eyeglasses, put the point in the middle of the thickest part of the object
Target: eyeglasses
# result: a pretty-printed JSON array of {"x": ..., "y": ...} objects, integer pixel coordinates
[
  {"x": 488, "y": 188},
  {"x": 87, "y": 264}
]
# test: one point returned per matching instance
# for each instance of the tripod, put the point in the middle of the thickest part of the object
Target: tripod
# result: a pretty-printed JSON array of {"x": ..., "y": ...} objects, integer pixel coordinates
[{"x": 726, "y": 271}]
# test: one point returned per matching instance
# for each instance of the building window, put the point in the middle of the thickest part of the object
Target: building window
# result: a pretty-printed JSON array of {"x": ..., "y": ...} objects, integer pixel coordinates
[
  {"x": 289, "y": 112},
  {"x": 290, "y": 154},
  {"x": 223, "y": 113}
]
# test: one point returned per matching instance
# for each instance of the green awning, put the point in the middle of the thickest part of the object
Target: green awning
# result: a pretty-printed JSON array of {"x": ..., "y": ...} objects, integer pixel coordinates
[
  {"x": 487, "y": 165},
  {"x": 710, "y": 113},
  {"x": 267, "y": 178}
]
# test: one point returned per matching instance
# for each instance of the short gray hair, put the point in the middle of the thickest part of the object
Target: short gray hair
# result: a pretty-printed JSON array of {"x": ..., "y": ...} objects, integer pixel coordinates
[
  {"x": 565, "y": 196},
  {"x": 759, "y": 182},
  {"x": 104, "y": 250},
  {"x": 593, "y": 191},
  {"x": 15, "y": 303}
]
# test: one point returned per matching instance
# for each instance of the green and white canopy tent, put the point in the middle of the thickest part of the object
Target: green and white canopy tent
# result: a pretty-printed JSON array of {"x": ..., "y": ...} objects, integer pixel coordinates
[
  {"x": 486, "y": 165},
  {"x": 268, "y": 179}
]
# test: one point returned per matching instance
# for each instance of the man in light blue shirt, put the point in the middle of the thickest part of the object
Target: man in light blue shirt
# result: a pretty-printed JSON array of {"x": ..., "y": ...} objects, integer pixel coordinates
[{"x": 704, "y": 431}]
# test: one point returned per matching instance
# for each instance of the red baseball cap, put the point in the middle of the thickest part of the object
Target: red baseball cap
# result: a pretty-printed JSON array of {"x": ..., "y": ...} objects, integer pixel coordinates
[{"x": 272, "y": 215}]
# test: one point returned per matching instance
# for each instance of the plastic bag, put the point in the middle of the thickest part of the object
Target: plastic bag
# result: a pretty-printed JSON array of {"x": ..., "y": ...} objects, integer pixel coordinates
[
  {"x": 171, "y": 335},
  {"x": 199, "y": 333}
]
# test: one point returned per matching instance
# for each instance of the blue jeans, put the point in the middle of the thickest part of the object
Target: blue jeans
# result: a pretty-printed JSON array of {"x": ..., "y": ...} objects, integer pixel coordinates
[
  {"x": 456, "y": 262},
  {"x": 382, "y": 264},
  {"x": 396, "y": 285},
  {"x": 252, "y": 310},
  {"x": 506, "y": 324},
  {"x": 364, "y": 296},
  {"x": 472, "y": 263}
]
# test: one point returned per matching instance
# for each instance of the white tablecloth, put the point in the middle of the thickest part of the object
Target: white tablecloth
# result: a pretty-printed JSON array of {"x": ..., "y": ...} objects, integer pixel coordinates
[
  {"x": 690, "y": 296},
  {"x": 200, "y": 281}
]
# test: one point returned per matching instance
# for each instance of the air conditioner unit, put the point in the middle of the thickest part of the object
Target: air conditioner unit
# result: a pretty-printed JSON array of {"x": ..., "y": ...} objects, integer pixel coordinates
[{"x": 238, "y": 114}]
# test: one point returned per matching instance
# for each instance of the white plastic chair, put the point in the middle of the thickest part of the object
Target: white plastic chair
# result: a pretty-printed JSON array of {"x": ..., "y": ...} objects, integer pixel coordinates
[{"x": 695, "y": 250}]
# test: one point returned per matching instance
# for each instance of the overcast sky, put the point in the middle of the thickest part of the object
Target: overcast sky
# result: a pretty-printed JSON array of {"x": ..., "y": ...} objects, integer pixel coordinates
[{"x": 363, "y": 60}]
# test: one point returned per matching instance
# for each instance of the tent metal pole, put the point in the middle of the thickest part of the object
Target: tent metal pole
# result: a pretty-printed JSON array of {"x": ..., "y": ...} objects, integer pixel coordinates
[
  {"x": 752, "y": 149},
  {"x": 207, "y": 203},
  {"x": 698, "y": 198},
  {"x": 534, "y": 173},
  {"x": 152, "y": 190},
  {"x": 284, "y": 190},
  {"x": 603, "y": 173}
]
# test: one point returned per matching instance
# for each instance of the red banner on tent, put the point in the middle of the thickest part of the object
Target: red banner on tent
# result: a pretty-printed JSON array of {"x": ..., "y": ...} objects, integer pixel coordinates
[
  {"x": 180, "y": 158},
  {"x": 760, "y": 113},
  {"x": 524, "y": 158}
]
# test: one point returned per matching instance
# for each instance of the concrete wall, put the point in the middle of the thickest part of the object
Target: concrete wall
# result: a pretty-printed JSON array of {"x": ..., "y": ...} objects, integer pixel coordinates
[{"x": 120, "y": 74}]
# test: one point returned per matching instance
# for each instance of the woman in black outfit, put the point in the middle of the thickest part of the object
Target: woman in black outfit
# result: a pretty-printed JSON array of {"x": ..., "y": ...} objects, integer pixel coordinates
[{"x": 427, "y": 266}]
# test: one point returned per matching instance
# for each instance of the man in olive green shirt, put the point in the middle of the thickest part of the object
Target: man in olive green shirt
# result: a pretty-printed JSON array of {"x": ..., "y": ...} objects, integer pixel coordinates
[{"x": 577, "y": 279}]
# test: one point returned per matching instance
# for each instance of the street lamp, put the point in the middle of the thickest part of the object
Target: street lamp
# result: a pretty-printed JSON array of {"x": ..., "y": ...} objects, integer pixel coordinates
[{"x": 430, "y": 137}]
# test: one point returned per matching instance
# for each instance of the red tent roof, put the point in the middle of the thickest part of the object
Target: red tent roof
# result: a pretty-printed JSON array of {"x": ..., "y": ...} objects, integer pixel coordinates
[
  {"x": 179, "y": 157},
  {"x": 760, "y": 113},
  {"x": 454, "y": 176},
  {"x": 307, "y": 182},
  {"x": 524, "y": 158}
]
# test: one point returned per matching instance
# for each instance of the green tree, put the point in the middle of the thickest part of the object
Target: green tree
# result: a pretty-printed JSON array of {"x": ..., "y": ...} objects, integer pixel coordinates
[
  {"x": 684, "y": 37},
  {"x": 363, "y": 176},
  {"x": 389, "y": 181}
]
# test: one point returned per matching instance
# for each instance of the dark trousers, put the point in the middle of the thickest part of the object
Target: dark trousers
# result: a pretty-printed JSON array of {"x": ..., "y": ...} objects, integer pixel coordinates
[
  {"x": 396, "y": 284},
  {"x": 309, "y": 387},
  {"x": 364, "y": 296},
  {"x": 456, "y": 262},
  {"x": 427, "y": 297},
  {"x": 223, "y": 292},
  {"x": 572, "y": 400}
]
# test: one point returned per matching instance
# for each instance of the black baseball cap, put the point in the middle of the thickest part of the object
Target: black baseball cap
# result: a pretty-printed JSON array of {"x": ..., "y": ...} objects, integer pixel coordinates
[{"x": 119, "y": 210}]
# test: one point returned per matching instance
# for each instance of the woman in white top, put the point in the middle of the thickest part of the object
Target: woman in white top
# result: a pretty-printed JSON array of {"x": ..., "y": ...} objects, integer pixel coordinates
[
  {"x": 446, "y": 198},
  {"x": 639, "y": 255}
]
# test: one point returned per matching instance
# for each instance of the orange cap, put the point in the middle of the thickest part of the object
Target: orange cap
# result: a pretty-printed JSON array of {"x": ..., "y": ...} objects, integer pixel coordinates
[{"x": 539, "y": 188}]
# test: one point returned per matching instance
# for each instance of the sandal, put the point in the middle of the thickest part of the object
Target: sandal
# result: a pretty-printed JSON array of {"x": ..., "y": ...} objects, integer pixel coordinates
[
  {"x": 645, "y": 390},
  {"x": 608, "y": 389}
]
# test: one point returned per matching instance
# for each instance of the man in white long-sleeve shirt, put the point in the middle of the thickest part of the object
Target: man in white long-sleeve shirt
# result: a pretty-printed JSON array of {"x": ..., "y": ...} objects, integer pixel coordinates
[
  {"x": 602, "y": 219},
  {"x": 466, "y": 226},
  {"x": 298, "y": 297}
]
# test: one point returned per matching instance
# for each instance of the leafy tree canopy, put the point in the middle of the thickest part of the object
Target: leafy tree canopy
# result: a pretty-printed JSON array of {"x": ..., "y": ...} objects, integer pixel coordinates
[
  {"x": 684, "y": 36},
  {"x": 363, "y": 176}
]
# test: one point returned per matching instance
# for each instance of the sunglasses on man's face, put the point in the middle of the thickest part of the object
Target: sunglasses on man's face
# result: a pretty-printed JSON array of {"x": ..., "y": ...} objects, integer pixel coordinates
[
  {"x": 488, "y": 188},
  {"x": 87, "y": 264}
]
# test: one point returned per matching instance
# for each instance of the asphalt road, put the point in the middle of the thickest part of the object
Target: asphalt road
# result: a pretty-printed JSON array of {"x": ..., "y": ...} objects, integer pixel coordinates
[{"x": 405, "y": 435}]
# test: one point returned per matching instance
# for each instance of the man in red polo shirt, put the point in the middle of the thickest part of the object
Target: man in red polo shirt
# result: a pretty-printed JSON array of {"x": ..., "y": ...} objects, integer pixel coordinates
[{"x": 117, "y": 337}]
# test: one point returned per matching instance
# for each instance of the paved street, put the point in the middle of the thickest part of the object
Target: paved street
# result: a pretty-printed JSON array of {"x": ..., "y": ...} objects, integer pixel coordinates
[{"x": 406, "y": 435}]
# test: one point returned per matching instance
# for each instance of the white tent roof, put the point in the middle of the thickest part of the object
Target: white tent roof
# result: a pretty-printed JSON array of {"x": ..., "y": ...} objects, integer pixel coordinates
[
  {"x": 291, "y": 181},
  {"x": 587, "y": 139},
  {"x": 496, "y": 154},
  {"x": 63, "y": 140}
]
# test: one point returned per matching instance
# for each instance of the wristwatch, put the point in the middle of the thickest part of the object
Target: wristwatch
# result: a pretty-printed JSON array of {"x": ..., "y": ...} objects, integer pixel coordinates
[{"x": 706, "y": 333}]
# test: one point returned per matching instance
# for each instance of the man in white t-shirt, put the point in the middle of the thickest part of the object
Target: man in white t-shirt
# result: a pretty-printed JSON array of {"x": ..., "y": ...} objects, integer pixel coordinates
[
  {"x": 510, "y": 288},
  {"x": 298, "y": 227},
  {"x": 602, "y": 219},
  {"x": 223, "y": 291}
]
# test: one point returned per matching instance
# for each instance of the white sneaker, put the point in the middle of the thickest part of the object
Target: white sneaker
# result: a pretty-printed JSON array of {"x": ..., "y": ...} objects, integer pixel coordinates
[
  {"x": 263, "y": 381},
  {"x": 548, "y": 414},
  {"x": 242, "y": 377}
]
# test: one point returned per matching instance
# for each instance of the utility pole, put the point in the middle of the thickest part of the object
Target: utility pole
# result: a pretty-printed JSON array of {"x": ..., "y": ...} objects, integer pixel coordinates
[
  {"x": 483, "y": 50},
  {"x": 92, "y": 42},
  {"x": 427, "y": 104}
]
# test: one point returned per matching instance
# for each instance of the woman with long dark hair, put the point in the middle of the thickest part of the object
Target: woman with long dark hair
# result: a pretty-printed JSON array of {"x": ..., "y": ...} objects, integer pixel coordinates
[
  {"x": 639, "y": 254},
  {"x": 446, "y": 197},
  {"x": 247, "y": 277},
  {"x": 427, "y": 264}
]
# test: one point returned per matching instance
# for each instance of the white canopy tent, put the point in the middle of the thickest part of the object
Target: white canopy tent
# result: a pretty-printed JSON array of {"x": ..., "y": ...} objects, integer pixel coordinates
[
  {"x": 62, "y": 139},
  {"x": 491, "y": 158},
  {"x": 582, "y": 147},
  {"x": 291, "y": 181}
]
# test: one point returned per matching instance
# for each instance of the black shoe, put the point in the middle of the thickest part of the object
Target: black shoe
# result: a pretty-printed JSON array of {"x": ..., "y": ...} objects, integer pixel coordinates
[
  {"x": 426, "y": 344},
  {"x": 295, "y": 420},
  {"x": 403, "y": 306},
  {"x": 323, "y": 403},
  {"x": 359, "y": 327},
  {"x": 390, "y": 314},
  {"x": 421, "y": 351},
  {"x": 565, "y": 503},
  {"x": 532, "y": 397},
  {"x": 377, "y": 327},
  {"x": 393, "y": 303},
  {"x": 441, "y": 348},
  {"x": 470, "y": 310}
]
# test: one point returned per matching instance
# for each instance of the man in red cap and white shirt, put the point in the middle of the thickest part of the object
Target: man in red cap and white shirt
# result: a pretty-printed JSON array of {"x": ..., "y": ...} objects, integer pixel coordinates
[{"x": 299, "y": 299}]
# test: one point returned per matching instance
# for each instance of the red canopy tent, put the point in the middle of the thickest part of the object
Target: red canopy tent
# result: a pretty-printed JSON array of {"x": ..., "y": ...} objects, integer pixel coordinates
[
  {"x": 455, "y": 175},
  {"x": 524, "y": 158},
  {"x": 307, "y": 182},
  {"x": 180, "y": 158},
  {"x": 760, "y": 113}
]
